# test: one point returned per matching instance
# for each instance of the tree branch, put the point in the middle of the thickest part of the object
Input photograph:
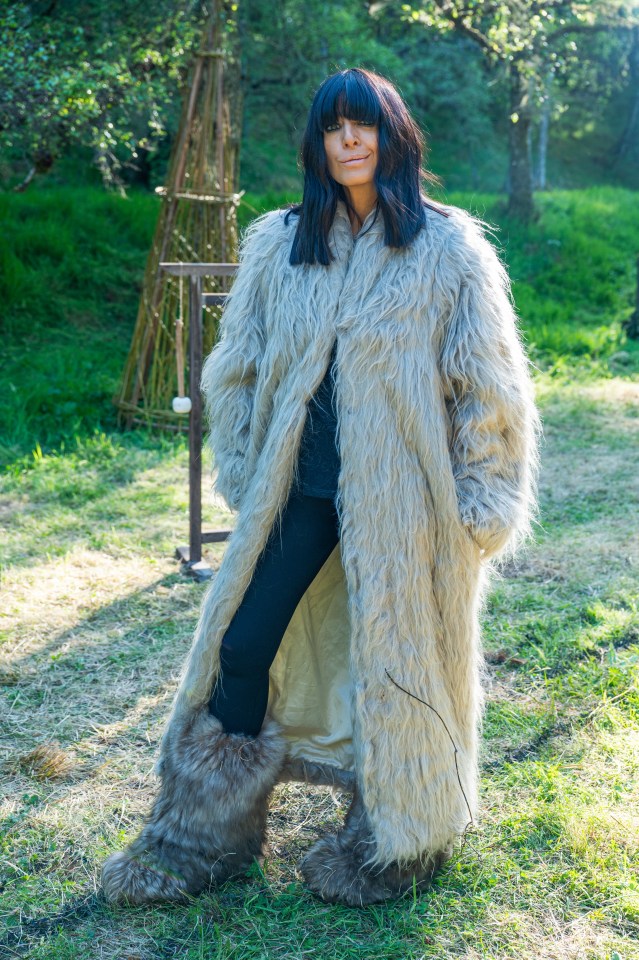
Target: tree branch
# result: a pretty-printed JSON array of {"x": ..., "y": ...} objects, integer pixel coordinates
[
  {"x": 448, "y": 11},
  {"x": 589, "y": 28}
]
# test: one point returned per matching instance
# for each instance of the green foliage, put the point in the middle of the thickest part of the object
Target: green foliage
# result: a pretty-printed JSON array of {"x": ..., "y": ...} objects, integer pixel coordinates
[
  {"x": 511, "y": 29},
  {"x": 456, "y": 107},
  {"x": 101, "y": 81},
  {"x": 94, "y": 74}
]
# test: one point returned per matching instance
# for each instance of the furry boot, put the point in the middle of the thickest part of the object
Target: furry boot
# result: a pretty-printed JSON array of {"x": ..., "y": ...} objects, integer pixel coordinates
[
  {"x": 209, "y": 819},
  {"x": 336, "y": 867}
]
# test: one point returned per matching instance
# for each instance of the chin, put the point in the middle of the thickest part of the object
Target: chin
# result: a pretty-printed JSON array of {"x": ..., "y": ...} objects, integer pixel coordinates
[{"x": 355, "y": 181}]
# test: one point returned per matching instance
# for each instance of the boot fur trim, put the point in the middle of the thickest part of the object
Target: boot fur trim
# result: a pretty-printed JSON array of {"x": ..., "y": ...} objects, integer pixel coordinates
[
  {"x": 209, "y": 819},
  {"x": 338, "y": 867}
]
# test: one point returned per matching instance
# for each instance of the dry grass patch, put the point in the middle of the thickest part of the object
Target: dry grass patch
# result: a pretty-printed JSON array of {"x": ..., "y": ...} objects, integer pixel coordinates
[{"x": 45, "y": 762}]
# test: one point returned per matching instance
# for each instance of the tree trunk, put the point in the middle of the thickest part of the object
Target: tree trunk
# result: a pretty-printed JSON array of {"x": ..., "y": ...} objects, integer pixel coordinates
[
  {"x": 520, "y": 199},
  {"x": 529, "y": 150},
  {"x": 629, "y": 133},
  {"x": 544, "y": 128},
  {"x": 631, "y": 325},
  {"x": 42, "y": 161}
]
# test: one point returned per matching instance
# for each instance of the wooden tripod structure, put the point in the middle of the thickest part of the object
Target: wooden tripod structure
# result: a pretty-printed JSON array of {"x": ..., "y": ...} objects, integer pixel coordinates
[{"x": 197, "y": 223}]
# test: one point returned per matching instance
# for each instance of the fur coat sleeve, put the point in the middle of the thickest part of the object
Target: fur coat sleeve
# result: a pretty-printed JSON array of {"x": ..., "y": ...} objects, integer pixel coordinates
[
  {"x": 229, "y": 374},
  {"x": 488, "y": 393}
]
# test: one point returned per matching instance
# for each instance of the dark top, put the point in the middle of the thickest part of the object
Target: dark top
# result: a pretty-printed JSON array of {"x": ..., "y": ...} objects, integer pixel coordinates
[{"x": 318, "y": 463}]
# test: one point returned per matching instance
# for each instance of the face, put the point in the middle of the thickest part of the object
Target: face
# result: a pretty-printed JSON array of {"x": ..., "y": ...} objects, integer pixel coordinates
[{"x": 351, "y": 151}]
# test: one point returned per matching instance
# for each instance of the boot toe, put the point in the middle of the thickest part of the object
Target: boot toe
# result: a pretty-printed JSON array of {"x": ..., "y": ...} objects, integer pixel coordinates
[
  {"x": 336, "y": 876},
  {"x": 126, "y": 880},
  {"x": 336, "y": 873}
]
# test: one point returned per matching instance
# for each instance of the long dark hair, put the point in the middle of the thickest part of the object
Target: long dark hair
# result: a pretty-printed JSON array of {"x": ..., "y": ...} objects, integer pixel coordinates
[{"x": 358, "y": 94}]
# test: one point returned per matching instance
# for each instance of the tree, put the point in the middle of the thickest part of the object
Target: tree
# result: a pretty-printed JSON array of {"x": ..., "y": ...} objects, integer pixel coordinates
[
  {"x": 107, "y": 73},
  {"x": 526, "y": 38},
  {"x": 631, "y": 129},
  {"x": 92, "y": 73}
]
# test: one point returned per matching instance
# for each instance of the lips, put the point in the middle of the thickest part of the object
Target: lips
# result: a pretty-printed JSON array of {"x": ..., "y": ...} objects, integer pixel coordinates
[{"x": 354, "y": 159}]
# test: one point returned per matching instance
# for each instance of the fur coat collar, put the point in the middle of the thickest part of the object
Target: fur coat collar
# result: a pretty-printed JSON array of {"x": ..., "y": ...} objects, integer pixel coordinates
[{"x": 437, "y": 435}]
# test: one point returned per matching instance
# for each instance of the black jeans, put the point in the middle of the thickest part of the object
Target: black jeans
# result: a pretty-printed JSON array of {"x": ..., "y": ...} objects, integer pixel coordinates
[{"x": 294, "y": 553}]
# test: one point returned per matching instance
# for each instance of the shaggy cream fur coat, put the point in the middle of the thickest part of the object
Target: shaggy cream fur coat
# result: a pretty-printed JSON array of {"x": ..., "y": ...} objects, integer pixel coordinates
[{"x": 438, "y": 442}]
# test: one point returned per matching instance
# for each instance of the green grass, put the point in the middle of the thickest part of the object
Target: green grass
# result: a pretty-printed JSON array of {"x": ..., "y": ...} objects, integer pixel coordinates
[
  {"x": 95, "y": 621},
  {"x": 574, "y": 276},
  {"x": 70, "y": 275}
]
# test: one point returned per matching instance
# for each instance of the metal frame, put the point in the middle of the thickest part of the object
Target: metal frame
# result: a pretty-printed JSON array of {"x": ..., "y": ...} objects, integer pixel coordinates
[{"x": 191, "y": 556}]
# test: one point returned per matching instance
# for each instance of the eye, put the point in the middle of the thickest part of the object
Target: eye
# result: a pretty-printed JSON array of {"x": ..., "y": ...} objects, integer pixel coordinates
[{"x": 360, "y": 123}]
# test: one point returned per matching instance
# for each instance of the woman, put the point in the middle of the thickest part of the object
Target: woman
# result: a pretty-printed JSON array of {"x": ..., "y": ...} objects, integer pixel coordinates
[{"x": 372, "y": 422}]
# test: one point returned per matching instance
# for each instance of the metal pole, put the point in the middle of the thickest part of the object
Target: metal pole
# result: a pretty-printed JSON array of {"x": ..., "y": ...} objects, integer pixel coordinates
[
  {"x": 191, "y": 556},
  {"x": 195, "y": 431}
]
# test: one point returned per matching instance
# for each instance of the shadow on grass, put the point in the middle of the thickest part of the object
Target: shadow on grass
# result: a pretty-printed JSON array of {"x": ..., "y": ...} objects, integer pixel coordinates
[{"x": 135, "y": 643}]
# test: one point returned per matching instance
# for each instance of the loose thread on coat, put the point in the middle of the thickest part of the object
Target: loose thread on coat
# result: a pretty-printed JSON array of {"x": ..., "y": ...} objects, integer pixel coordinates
[{"x": 471, "y": 822}]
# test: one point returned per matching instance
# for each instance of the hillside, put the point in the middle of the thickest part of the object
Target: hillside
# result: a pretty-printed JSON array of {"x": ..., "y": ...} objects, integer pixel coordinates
[{"x": 73, "y": 261}]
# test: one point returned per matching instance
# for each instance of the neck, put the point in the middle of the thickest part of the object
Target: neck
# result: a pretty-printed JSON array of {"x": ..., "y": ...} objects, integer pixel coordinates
[{"x": 363, "y": 199}]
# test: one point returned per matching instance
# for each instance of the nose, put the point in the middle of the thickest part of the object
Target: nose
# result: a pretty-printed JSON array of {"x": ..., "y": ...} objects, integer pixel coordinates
[{"x": 349, "y": 133}]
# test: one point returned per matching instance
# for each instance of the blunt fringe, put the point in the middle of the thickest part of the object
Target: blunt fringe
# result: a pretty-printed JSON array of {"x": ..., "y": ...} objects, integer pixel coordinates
[{"x": 359, "y": 94}]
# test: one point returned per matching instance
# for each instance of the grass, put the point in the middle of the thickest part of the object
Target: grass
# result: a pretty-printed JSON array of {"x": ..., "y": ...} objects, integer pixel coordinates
[{"x": 95, "y": 621}]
